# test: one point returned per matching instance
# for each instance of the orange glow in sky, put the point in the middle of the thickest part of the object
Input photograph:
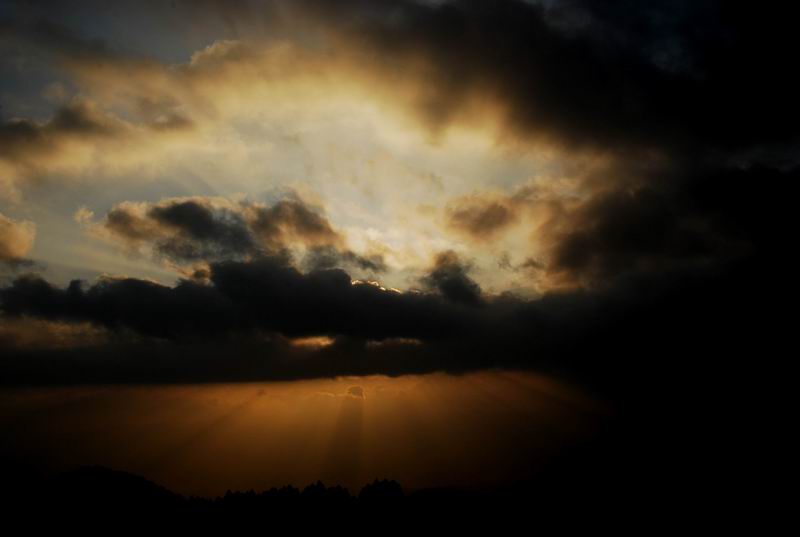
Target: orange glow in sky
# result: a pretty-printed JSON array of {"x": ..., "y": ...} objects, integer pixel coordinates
[{"x": 431, "y": 430}]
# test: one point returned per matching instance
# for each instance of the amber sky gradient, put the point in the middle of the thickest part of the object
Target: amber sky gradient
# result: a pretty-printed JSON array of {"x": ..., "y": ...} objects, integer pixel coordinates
[{"x": 425, "y": 431}]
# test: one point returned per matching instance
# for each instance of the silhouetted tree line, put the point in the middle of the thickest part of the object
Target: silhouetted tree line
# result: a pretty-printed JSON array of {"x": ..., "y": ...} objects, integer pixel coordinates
[
  {"x": 101, "y": 498},
  {"x": 616, "y": 478}
]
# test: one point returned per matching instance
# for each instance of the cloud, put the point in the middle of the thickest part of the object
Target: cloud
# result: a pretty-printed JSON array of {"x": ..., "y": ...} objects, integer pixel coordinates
[
  {"x": 576, "y": 73},
  {"x": 289, "y": 220},
  {"x": 16, "y": 239},
  {"x": 35, "y": 334},
  {"x": 190, "y": 230},
  {"x": 23, "y": 139},
  {"x": 601, "y": 243},
  {"x": 654, "y": 92},
  {"x": 624, "y": 231},
  {"x": 654, "y": 328},
  {"x": 199, "y": 232},
  {"x": 566, "y": 73},
  {"x": 449, "y": 277},
  {"x": 684, "y": 214},
  {"x": 263, "y": 294},
  {"x": 481, "y": 217},
  {"x": 688, "y": 217},
  {"x": 571, "y": 73},
  {"x": 80, "y": 138},
  {"x": 328, "y": 257},
  {"x": 661, "y": 313}
]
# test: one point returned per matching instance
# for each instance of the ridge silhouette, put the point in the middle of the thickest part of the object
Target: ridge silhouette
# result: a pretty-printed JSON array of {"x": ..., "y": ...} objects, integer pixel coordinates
[{"x": 102, "y": 498}]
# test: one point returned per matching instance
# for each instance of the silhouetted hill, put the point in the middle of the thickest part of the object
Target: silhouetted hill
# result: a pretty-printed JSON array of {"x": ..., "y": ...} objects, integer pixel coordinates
[
  {"x": 603, "y": 483},
  {"x": 102, "y": 498},
  {"x": 93, "y": 487}
]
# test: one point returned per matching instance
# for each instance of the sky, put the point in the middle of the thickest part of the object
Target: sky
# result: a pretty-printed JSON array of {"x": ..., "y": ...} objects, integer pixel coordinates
[
  {"x": 423, "y": 430},
  {"x": 208, "y": 192}
]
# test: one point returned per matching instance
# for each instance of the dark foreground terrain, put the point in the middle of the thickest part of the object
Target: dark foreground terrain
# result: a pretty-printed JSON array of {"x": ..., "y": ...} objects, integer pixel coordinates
[
  {"x": 108, "y": 500},
  {"x": 610, "y": 483}
]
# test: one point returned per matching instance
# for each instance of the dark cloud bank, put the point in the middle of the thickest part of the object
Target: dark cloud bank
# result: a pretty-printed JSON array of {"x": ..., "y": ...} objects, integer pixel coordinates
[
  {"x": 622, "y": 75},
  {"x": 705, "y": 314}
]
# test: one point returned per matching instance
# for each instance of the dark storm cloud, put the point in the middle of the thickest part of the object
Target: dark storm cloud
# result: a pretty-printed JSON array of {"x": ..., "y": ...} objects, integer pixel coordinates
[
  {"x": 661, "y": 337},
  {"x": 703, "y": 216},
  {"x": 674, "y": 327},
  {"x": 688, "y": 213},
  {"x": 328, "y": 302},
  {"x": 221, "y": 232},
  {"x": 327, "y": 257},
  {"x": 145, "y": 307},
  {"x": 207, "y": 229},
  {"x": 266, "y": 294},
  {"x": 627, "y": 231},
  {"x": 651, "y": 322},
  {"x": 685, "y": 76},
  {"x": 449, "y": 276},
  {"x": 658, "y": 74}
]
